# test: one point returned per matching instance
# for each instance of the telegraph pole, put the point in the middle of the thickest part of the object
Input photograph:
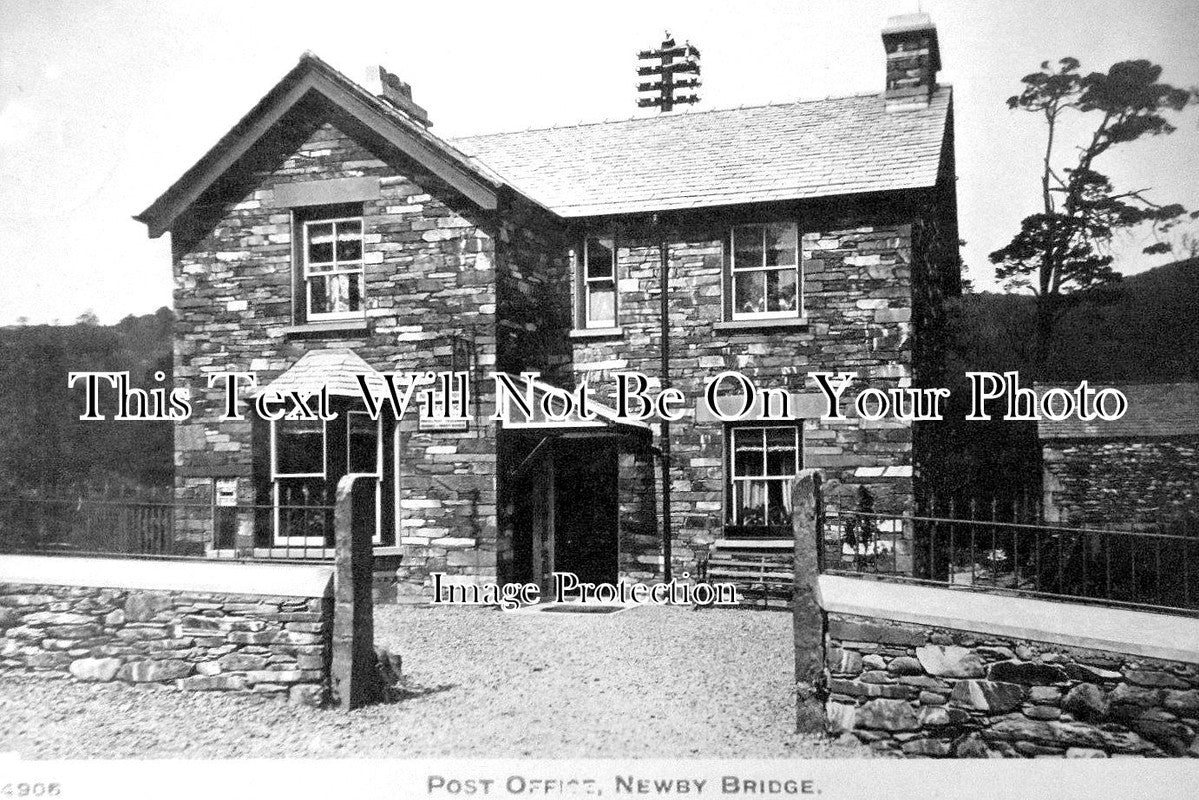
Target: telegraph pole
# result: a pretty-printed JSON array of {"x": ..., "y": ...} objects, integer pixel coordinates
[{"x": 672, "y": 61}]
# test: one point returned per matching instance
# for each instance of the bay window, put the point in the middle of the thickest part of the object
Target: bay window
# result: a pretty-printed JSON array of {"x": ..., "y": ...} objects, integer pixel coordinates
[{"x": 298, "y": 458}]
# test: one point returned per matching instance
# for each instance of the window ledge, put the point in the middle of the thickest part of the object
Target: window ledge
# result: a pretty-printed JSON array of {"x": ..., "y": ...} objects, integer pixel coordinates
[
  {"x": 597, "y": 333},
  {"x": 758, "y": 324},
  {"x": 326, "y": 328}
]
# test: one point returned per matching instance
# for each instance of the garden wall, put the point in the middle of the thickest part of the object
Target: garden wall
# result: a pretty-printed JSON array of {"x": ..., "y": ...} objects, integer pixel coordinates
[
  {"x": 942, "y": 672},
  {"x": 1104, "y": 482},
  {"x": 197, "y": 625}
]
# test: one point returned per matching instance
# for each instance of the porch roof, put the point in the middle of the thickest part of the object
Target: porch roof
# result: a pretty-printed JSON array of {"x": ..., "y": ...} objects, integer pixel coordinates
[
  {"x": 605, "y": 416},
  {"x": 334, "y": 367}
]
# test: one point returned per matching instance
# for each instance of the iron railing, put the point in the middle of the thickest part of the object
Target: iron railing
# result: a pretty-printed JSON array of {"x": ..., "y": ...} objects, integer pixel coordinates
[
  {"x": 1155, "y": 569},
  {"x": 89, "y": 526}
]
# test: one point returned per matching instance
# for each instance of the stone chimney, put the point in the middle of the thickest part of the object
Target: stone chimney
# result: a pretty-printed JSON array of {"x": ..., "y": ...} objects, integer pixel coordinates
[
  {"x": 913, "y": 59},
  {"x": 388, "y": 87}
]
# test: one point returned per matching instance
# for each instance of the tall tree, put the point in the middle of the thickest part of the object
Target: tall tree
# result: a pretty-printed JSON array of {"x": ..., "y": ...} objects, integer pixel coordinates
[{"x": 1064, "y": 247}]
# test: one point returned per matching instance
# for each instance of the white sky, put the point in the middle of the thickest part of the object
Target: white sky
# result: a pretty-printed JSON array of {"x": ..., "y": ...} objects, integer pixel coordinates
[{"x": 104, "y": 103}]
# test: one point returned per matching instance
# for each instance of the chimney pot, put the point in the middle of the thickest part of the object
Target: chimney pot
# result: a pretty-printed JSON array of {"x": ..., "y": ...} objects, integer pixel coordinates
[{"x": 913, "y": 60}]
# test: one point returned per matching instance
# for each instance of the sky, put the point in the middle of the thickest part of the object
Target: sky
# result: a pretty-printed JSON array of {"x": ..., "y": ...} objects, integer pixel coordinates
[{"x": 105, "y": 103}]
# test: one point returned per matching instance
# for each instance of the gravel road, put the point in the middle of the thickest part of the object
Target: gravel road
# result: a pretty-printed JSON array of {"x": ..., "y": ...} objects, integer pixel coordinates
[{"x": 647, "y": 682}]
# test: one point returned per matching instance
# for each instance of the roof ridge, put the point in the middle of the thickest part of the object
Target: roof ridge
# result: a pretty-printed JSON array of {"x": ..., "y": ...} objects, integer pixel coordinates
[{"x": 683, "y": 113}]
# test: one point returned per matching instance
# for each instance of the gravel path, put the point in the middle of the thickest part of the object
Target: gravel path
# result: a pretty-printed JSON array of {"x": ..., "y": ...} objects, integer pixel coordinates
[{"x": 648, "y": 682}]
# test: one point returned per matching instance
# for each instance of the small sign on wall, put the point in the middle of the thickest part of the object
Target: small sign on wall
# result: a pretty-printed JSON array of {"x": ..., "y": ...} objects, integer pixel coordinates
[
  {"x": 226, "y": 491},
  {"x": 444, "y": 424}
]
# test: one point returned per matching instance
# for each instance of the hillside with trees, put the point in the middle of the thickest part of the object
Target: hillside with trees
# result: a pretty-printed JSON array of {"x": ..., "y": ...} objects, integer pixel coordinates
[
  {"x": 44, "y": 443},
  {"x": 1143, "y": 328}
]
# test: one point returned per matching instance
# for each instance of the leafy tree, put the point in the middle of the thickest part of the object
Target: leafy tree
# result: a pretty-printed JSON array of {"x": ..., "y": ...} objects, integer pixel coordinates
[{"x": 1063, "y": 248}]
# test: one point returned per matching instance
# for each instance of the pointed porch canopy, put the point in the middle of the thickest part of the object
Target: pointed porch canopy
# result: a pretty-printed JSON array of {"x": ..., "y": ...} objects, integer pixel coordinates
[
  {"x": 334, "y": 367},
  {"x": 534, "y": 391}
]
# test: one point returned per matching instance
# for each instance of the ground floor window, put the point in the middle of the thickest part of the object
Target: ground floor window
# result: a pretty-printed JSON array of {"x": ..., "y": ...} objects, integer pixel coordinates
[
  {"x": 308, "y": 458},
  {"x": 299, "y": 458},
  {"x": 762, "y": 463},
  {"x": 364, "y": 460}
]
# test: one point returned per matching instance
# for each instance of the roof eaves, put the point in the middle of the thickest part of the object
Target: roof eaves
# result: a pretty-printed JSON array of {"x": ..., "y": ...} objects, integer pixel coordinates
[{"x": 312, "y": 73}]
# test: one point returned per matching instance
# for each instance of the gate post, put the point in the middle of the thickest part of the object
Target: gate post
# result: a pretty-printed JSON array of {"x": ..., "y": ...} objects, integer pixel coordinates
[
  {"x": 355, "y": 678},
  {"x": 807, "y": 519}
]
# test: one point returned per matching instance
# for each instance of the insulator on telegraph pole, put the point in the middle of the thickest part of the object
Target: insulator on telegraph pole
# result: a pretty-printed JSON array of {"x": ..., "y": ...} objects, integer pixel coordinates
[{"x": 666, "y": 67}]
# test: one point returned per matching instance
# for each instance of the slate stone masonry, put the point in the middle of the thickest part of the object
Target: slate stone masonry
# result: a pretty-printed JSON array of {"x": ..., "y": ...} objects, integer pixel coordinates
[
  {"x": 859, "y": 314},
  {"x": 1120, "y": 481},
  {"x": 193, "y": 641},
  {"x": 926, "y": 691}
]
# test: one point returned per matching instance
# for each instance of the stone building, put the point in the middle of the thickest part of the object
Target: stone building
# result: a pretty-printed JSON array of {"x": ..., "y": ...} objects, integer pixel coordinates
[
  {"x": 331, "y": 233},
  {"x": 1140, "y": 469}
]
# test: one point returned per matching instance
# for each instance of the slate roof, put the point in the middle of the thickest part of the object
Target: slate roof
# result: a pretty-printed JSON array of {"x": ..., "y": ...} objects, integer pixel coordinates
[
  {"x": 689, "y": 159},
  {"x": 1154, "y": 410},
  {"x": 787, "y": 151},
  {"x": 334, "y": 367}
]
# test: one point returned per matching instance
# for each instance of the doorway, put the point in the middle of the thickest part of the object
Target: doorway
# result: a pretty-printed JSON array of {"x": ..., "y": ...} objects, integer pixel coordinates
[{"x": 568, "y": 512}]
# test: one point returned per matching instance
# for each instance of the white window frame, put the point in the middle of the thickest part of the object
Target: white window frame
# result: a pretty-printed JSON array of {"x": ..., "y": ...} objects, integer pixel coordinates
[
  {"x": 734, "y": 270},
  {"x": 734, "y": 478},
  {"x": 277, "y": 536},
  {"x": 377, "y": 538},
  {"x": 586, "y": 281},
  {"x": 334, "y": 267}
]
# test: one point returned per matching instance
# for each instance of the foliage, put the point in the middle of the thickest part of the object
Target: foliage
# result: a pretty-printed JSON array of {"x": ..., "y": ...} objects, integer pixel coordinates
[
  {"x": 860, "y": 527},
  {"x": 45, "y": 444},
  {"x": 1141, "y": 329},
  {"x": 1063, "y": 248}
]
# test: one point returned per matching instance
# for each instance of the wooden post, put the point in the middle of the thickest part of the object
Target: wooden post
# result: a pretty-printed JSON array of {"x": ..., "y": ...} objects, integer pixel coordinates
[
  {"x": 355, "y": 676},
  {"x": 807, "y": 519}
]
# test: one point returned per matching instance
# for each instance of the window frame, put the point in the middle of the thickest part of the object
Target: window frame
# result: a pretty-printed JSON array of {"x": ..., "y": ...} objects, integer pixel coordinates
[
  {"x": 377, "y": 538},
  {"x": 584, "y": 282},
  {"x": 732, "y": 270},
  {"x": 334, "y": 267},
  {"x": 276, "y": 474},
  {"x": 732, "y": 479},
  {"x": 278, "y": 538}
]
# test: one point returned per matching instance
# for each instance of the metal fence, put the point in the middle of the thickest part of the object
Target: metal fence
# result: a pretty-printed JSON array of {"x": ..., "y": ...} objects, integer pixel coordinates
[
  {"x": 88, "y": 526},
  {"x": 1152, "y": 569}
]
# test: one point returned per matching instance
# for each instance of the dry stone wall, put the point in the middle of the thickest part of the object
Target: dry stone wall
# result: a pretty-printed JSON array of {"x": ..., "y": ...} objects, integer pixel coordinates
[
  {"x": 194, "y": 641},
  {"x": 1123, "y": 482},
  {"x": 925, "y": 691}
]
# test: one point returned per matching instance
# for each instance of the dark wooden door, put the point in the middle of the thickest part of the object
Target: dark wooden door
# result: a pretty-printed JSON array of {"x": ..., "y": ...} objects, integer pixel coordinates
[{"x": 587, "y": 511}]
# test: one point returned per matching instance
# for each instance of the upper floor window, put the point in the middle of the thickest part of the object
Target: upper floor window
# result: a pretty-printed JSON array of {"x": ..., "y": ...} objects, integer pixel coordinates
[
  {"x": 596, "y": 279},
  {"x": 765, "y": 276},
  {"x": 332, "y": 268},
  {"x": 763, "y": 461}
]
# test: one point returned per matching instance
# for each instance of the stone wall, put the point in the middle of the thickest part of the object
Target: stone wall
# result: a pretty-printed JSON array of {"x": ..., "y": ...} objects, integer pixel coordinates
[
  {"x": 1120, "y": 482},
  {"x": 429, "y": 272},
  {"x": 922, "y": 690},
  {"x": 194, "y": 640}
]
